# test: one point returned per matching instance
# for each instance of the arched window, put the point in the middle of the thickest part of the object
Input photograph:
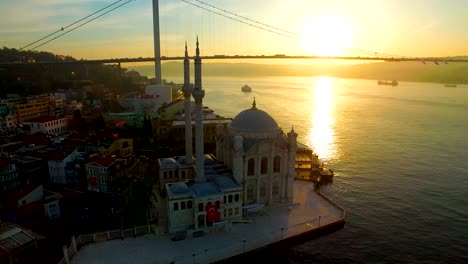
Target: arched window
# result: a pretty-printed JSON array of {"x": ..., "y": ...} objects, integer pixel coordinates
[
  {"x": 251, "y": 167},
  {"x": 200, "y": 207},
  {"x": 176, "y": 206},
  {"x": 230, "y": 198},
  {"x": 264, "y": 166},
  {"x": 189, "y": 204},
  {"x": 277, "y": 164},
  {"x": 236, "y": 197},
  {"x": 182, "y": 205},
  {"x": 217, "y": 203}
]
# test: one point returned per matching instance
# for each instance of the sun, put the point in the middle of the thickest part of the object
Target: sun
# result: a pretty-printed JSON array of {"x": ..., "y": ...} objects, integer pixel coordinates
[{"x": 327, "y": 34}]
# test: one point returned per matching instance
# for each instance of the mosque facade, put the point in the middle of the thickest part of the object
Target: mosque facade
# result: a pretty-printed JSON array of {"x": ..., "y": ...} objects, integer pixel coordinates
[{"x": 254, "y": 165}]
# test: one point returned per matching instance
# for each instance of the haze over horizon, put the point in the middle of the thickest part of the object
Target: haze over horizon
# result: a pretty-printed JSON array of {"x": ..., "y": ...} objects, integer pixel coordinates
[{"x": 416, "y": 28}]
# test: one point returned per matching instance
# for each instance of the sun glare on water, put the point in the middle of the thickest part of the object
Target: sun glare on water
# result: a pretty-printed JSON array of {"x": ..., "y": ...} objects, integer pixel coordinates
[{"x": 327, "y": 34}]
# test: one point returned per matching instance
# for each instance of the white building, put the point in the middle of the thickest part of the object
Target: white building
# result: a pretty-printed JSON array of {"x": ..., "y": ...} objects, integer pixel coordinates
[
  {"x": 57, "y": 162},
  {"x": 100, "y": 173},
  {"x": 141, "y": 103},
  {"x": 164, "y": 92},
  {"x": 47, "y": 125},
  {"x": 255, "y": 166},
  {"x": 260, "y": 155}
]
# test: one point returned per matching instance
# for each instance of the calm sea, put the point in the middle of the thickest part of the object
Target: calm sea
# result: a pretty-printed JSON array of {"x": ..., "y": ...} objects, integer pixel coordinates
[{"x": 400, "y": 156}]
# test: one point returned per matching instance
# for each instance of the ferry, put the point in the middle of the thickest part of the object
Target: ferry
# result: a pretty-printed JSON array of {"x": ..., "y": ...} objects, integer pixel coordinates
[
  {"x": 392, "y": 83},
  {"x": 246, "y": 88},
  {"x": 450, "y": 85}
]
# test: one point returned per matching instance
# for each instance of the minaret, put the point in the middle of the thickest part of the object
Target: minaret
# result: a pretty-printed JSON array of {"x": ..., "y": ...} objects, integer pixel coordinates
[
  {"x": 188, "y": 111},
  {"x": 198, "y": 94},
  {"x": 157, "y": 43},
  {"x": 292, "y": 149}
]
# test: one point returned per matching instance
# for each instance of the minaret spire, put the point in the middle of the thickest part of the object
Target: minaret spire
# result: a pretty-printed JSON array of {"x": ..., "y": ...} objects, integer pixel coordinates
[
  {"x": 187, "y": 89},
  {"x": 254, "y": 104},
  {"x": 198, "y": 94}
]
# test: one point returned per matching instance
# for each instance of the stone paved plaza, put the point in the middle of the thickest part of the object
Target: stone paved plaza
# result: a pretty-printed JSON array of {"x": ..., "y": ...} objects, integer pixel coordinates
[{"x": 308, "y": 211}]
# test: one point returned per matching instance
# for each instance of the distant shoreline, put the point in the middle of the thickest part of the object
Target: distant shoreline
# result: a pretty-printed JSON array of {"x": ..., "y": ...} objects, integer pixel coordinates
[{"x": 453, "y": 73}]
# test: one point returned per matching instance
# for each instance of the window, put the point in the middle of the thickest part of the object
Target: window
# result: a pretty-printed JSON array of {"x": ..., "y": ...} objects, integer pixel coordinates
[
  {"x": 217, "y": 203},
  {"x": 264, "y": 166},
  {"x": 209, "y": 203},
  {"x": 183, "y": 174},
  {"x": 224, "y": 198},
  {"x": 200, "y": 207},
  {"x": 236, "y": 197},
  {"x": 182, "y": 205},
  {"x": 236, "y": 211},
  {"x": 176, "y": 206},
  {"x": 277, "y": 164},
  {"x": 189, "y": 204},
  {"x": 251, "y": 167},
  {"x": 230, "y": 198}
]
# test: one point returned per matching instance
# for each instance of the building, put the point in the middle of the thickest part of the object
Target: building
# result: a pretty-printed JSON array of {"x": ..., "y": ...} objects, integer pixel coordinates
[
  {"x": 255, "y": 165},
  {"x": 101, "y": 173},
  {"x": 8, "y": 174},
  {"x": 213, "y": 195},
  {"x": 142, "y": 103},
  {"x": 122, "y": 147},
  {"x": 19, "y": 245},
  {"x": 47, "y": 124},
  {"x": 261, "y": 156},
  {"x": 175, "y": 169},
  {"x": 8, "y": 120},
  {"x": 58, "y": 162},
  {"x": 32, "y": 107}
]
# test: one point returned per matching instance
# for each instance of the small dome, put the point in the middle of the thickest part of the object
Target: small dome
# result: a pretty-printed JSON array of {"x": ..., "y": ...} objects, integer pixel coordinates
[{"x": 254, "y": 120}]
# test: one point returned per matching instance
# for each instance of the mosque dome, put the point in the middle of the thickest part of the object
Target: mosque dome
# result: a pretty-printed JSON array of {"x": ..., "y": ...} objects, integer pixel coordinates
[{"x": 254, "y": 120}]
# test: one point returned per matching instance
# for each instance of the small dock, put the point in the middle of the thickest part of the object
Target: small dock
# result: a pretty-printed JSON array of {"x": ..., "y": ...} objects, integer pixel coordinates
[{"x": 310, "y": 215}]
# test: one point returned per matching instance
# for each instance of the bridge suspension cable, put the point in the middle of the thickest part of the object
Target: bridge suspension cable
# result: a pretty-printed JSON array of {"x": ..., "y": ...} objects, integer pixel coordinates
[
  {"x": 248, "y": 19},
  {"x": 276, "y": 30},
  {"x": 79, "y": 25},
  {"x": 243, "y": 22}
]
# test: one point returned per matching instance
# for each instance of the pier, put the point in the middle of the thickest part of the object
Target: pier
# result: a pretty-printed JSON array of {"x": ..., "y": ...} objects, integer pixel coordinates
[{"x": 310, "y": 215}]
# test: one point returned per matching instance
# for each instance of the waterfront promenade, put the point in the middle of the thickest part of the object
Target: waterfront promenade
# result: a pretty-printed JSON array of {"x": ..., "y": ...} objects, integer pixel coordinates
[{"x": 308, "y": 212}]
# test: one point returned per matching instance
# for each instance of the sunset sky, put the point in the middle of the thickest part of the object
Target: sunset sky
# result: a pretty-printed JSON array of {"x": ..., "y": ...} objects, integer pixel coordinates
[{"x": 333, "y": 27}]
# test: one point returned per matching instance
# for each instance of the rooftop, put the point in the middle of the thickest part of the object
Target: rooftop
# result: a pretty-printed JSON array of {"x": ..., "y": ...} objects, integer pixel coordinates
[{"x": 42, "y": 119}]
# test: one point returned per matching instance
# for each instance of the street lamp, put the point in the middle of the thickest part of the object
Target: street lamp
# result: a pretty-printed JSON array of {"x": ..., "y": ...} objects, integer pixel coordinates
[
  {"x": 193, "y": 256},
  {"x": 282, "y": 229}
]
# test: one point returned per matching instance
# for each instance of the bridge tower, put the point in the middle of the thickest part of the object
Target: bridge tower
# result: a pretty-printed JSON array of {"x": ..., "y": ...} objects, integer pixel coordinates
[{"x": 157, "y": 43}]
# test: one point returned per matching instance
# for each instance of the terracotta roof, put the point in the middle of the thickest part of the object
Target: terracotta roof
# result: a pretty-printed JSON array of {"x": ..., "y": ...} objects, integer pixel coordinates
[
  {"x": 42, "y": 119},
  {"x": 58, "y": 155},
  {"x": 103, "y": 161},
  {"x": 4, "y": 162},
  {"x": 14, "y": 195},
  {"x": 36, "y": 139}
]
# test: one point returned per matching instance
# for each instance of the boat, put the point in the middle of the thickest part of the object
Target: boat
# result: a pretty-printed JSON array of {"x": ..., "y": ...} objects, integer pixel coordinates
[
  {"x": 392, "y": 83},
  {"x": 450, "y": 85},
  {"x": 246, "y": 88}
]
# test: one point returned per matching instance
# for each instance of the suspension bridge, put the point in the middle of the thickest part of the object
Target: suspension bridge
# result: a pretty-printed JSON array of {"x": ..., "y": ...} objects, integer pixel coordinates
[{"x": 362, "y": 54}]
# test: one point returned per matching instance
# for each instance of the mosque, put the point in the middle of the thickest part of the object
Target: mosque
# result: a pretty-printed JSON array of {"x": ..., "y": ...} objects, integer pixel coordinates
[{"x": 254, "y": 165}]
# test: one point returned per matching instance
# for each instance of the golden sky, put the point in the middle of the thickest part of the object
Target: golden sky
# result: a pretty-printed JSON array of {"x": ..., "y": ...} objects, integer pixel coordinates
[{"x": 333, "y": 27}]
